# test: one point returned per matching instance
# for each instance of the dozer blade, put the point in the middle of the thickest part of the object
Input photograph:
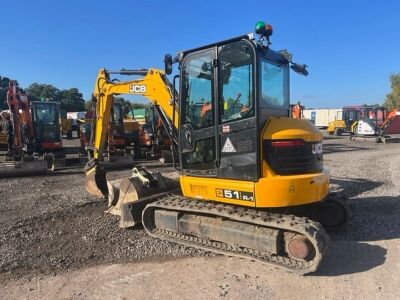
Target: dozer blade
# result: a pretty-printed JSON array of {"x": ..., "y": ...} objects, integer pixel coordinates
[
  {"x": 30, "y": 168},
  {"x": 128, "y": 197},
  {"x": 96, "y": 183},
  {"x": 119, "y": 162}
]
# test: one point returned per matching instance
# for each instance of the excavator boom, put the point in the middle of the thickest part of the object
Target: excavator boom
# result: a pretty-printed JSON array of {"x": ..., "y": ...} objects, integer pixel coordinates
[{"x": 153, "y": 85}]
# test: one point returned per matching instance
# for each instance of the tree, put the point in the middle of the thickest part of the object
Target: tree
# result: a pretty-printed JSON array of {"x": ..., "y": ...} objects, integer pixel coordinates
[
  {"x": 71, "y": 100},
  {"x": 89, "y": 105},
  {"x": 392, "y": 100},
  {"x": 3, "y": 92},
  {"x": 46, "y": 92},
  {"x": 126, "y": 104}
]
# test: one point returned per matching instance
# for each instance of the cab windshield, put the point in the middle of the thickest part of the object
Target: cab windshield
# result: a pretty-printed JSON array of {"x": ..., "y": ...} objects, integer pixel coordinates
[
  {"x": 46, "y": 113},
  {"x": 274, "y": 84}
]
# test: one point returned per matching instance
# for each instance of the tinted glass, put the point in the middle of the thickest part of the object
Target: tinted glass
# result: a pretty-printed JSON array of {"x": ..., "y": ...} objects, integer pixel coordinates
[
  {"x": 380, "y": 115},
  {"x": 202, "y": 158},
  {"x": 117, "y": 115},
  {"x": 352, "y": 115},
  {"x": 236, "y": 81},
  {"x": 197, "y": 92},
  {"x": 46, "y": 114},
  {"x": 274, "y": 79}
]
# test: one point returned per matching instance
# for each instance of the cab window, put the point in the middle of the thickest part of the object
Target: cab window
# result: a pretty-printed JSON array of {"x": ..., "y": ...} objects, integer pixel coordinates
[
  {"x": 236, "y": 65},
  {"x": 117, "y": 114},
  {"x": 46, "y": 114},
  {"x": 197, "y": 92},
  {"x": 274, "y": 81},
  {"x": 352, "y": 115}
]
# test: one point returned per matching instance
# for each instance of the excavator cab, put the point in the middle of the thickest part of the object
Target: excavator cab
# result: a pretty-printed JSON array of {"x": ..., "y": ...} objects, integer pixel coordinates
[
  {"x": 117, "y": 133},
  {"x": 46, "y": 126},
  {"x": 229, "y": 90}
]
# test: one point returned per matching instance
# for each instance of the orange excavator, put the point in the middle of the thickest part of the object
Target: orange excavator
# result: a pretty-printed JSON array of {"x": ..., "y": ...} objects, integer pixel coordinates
[
  {"x": 119, "y": 154},
  {"x": 391, "y": 123},
  {"x": 152, "y": 141},
  {"x": 21, "y": 159}
]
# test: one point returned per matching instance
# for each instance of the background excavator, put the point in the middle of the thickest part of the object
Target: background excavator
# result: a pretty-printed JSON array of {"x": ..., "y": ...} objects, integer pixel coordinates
[
  {"x": 376, "y": 123},
  {"x": 119, "y": 150},
  {"x": 147, "y": 139},
  {"x": 47, "y": 131},
  {"x": 350, "y": 114},
  {"x": 22, "y": 158},
  {"x": 152, "y": 140},
  {"x": 364, "y": 120},
  {"x": 252, "y": 180}
]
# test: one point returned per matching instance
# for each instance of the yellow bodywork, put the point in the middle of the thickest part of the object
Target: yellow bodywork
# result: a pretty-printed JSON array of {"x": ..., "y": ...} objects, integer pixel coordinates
[
  {"x": 131, "y": 125},
  {"x": 335, "y": 124},
  {"x": 354, "y": 127},
  {"x": 271, "y": 190},
  {"x": 65, "y": 125}
]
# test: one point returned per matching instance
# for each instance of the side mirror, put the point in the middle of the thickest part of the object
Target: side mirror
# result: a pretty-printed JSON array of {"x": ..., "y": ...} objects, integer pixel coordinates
[
  {"x": 168, "y": 64},
  {"x": 300, "y": 69}
]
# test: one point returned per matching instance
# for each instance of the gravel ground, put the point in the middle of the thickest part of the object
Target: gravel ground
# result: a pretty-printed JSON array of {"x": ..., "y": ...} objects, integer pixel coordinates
[
  {"x": 46, "y": 231},
  {"x": 51, "y": 235}
]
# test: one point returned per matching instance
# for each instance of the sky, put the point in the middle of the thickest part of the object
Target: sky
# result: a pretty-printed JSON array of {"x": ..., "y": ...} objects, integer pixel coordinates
[{"x": 351, "y": 47}]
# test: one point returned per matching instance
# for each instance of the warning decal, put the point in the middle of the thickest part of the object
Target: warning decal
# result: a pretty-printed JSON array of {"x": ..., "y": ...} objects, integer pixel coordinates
[{"x": 228, "y": 146}]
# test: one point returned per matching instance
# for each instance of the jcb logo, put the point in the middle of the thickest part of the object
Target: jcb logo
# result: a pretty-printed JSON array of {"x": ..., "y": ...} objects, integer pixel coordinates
[{"x": 137, "y": 88}]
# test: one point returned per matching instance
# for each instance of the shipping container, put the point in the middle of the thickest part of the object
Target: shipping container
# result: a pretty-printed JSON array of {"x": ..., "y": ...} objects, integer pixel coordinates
[{"x": 320, "y": 117}]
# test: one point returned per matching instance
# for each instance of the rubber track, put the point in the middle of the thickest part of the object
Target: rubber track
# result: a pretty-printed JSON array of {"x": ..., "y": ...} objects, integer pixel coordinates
[{"x": 314, "y": 232}]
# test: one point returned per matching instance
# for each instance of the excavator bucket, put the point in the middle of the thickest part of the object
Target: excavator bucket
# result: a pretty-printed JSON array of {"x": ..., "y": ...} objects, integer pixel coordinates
[
  {"x": 128, "y": 197},
  {"x": 96, "y": 183}
]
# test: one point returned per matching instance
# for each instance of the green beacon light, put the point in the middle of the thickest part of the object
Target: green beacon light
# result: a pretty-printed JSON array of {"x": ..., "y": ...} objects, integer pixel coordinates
[
  {"x": 264, "y": 30},
  {"x": 260, "y": 25}
]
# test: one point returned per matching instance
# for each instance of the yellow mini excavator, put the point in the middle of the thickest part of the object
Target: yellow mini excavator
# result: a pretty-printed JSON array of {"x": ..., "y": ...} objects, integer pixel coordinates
[{"x": 252, "y": 181}]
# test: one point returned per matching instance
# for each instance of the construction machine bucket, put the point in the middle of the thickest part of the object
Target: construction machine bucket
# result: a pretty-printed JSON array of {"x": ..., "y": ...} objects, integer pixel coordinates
[
  {"x": 95, "y": 182},
  {"x": 128, "y": 197}
]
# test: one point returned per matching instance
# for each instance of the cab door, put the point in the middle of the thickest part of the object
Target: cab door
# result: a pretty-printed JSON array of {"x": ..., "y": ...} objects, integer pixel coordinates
[
  {"x": 237, "y": 133},
  {"x": 197, "y": 129},
  {"x": 217, "y": 130}
]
